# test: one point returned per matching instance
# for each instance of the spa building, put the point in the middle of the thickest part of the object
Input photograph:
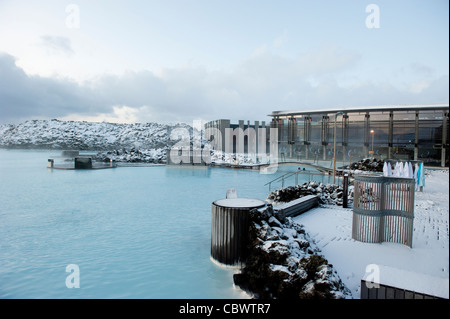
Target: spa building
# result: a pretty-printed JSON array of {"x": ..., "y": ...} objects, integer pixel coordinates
[{"x": 402, "y": 132}]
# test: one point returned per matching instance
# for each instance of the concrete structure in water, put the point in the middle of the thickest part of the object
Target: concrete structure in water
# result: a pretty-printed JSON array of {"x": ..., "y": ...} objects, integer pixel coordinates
[{"x": 74, "y": 160}]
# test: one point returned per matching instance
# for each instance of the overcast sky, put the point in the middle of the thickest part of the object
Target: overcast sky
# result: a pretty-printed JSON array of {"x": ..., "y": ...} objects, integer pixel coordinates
[{"x": 184, "y": 60}]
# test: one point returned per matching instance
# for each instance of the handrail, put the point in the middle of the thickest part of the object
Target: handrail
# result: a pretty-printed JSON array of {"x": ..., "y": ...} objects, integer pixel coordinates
[{"x": 289, "y": 173}]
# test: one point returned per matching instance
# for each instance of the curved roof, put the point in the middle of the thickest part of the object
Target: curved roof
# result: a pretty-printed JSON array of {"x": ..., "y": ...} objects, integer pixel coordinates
[{"x": 351, "y": 109}]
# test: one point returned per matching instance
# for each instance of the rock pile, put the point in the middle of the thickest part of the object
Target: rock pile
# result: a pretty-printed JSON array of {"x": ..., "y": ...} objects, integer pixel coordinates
[
  {"x": 76, "y": 135},
  {"x": 330, "y": 194},
  {"x": 156, "y": 156},
  {"x": 283, "y": 262},
  {"x": 367, "y": 165},
  {"x": 220, "y": 157}
]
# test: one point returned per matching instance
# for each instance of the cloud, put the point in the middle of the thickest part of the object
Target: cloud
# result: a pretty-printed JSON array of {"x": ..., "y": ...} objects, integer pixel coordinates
[
  {"x": 23, "y": 96},
  {"x": 120, "y": 114},
  {"x": 251, "y": 90},
  {"x": 57, "y": 45},
  {"x": 422, "y": 70},
  {"x": 326, "y": 60},
  {"x": 419, "y": 86},
  {"x": 282, "y": 39}
]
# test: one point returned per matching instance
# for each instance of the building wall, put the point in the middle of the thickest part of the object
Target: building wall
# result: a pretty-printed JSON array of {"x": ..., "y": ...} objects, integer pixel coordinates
[
  {"x": 398, "y": 133},
  {"x": 231, "y": 136},
  {"x": 404, "y": 134}
]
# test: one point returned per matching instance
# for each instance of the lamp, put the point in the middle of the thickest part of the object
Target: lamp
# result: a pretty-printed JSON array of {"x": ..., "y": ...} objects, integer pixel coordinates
[
  {"x": 373, "y": 134},
  {"x": 334, "y": 149}
]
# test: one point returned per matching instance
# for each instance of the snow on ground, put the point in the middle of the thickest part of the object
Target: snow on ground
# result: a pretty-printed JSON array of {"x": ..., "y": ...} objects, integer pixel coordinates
[{"x": 331, "y": 229}]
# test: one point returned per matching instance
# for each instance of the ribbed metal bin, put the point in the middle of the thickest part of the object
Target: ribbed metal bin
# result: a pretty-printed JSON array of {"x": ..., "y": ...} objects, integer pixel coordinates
[
  {"x": 383, "y": 209},
  {"x": 229, "y": 229}
]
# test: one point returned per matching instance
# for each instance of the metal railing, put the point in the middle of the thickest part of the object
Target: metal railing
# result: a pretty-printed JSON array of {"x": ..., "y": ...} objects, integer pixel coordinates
[{"x": 284, "y": 178}]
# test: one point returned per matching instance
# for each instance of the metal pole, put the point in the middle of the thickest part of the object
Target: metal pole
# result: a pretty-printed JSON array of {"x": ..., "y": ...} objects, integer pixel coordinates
[
  {"x": 373, "y": 134},
  {"x": 345, "y": 192},
  {"x": 444, "y": 138},
  {"x": 334, "y": 149}
]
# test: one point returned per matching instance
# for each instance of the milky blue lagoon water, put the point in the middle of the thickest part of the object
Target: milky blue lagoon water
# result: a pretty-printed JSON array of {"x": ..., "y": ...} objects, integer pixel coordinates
[{"x": 134, "y": 232}]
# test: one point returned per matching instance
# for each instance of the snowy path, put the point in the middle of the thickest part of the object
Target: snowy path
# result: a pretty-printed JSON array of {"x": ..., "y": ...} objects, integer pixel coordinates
[{"x": 331, "y": 228}]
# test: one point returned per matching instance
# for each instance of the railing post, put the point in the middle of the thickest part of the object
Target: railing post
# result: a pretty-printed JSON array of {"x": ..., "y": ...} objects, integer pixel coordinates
[
  {"x": 345, "y": 191},
  {"x": 382, "y": 229}
]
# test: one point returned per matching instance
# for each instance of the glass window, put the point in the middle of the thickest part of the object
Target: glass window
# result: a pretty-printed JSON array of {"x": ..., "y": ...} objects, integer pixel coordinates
[
  {"x": 283, "y": 130},
  {"x": 430, "y": 132},
  {"x": 379, "y": 123},
  {"x": 404, "y": 128},
  {"x": 356, "y": 129},
  {"x": 429, "y": 155},
  {"x": 300, "y": 130},
  {"x": 431, "y": 115},
  {"x": 316, "y": 128},
  {"x": 379, "y": 116},
  {"x": 404, "y": 115}
]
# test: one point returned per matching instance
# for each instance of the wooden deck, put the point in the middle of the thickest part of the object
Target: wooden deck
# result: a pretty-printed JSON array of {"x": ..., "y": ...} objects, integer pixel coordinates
[{"x": 297, "y": 206}]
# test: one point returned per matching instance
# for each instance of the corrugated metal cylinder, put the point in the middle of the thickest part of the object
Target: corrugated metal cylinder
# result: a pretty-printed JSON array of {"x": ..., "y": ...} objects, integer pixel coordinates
[
  {"x": 230, "y": 222},
  {"x": 383, "y": 209}
]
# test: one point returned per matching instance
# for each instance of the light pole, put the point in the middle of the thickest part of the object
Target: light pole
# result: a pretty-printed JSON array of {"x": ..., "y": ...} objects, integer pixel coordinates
[
  {"x": 334, "y": 149},
  {"x": 373, "y": 134}
]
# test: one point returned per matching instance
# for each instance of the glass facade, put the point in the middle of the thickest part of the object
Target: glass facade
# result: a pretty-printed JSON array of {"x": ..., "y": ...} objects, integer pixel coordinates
[{"x": 418, "y": 132}]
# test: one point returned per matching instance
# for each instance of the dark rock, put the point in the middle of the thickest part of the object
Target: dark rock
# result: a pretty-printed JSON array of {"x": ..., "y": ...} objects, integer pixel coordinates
[
  {"x": 286, "y": 268},
  {"x": 328, "y": 194},
  {"x": 274, "y": 222}
]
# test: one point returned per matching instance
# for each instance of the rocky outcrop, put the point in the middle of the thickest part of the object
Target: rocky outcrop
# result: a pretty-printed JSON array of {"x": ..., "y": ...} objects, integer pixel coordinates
[
  {"x": 284, "y": 263},
  {"x": 367, "y": 165},
  {"x": 94, "y": 136},
  {"x": 329, "y": 193},
  {"x": 152, "y": 156}
]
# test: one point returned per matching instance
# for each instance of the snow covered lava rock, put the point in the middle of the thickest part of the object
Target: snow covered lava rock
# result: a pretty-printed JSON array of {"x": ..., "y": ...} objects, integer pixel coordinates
[
  {"x": 367, "y": 165},
  {"x": 156, "y": 156},
  {"x": 283, "y": 262},
  {"x": 76, "y": 135},
  {"x": 329, "y": 193}
]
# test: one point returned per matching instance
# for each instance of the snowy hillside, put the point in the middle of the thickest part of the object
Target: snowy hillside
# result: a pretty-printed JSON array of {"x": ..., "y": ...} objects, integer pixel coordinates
[{"x": 55, "y": 134}]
